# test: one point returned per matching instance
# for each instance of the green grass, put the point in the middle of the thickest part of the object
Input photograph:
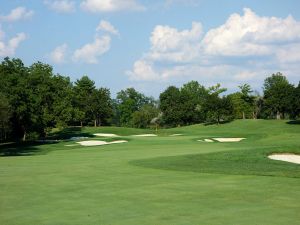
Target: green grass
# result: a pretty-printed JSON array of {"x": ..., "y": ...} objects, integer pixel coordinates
[{"x": 155, "y": 180}]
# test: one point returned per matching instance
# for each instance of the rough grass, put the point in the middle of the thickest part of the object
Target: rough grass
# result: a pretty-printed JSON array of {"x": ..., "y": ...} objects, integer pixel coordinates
[{"x": 156, "y": 180}]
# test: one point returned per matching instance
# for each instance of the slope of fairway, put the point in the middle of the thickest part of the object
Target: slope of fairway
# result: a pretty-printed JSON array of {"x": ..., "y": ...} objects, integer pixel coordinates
[
  {"x": 159, "y": 180},
  {"x": 251, "y": 156},
  {"x": 240, "y": 162}
]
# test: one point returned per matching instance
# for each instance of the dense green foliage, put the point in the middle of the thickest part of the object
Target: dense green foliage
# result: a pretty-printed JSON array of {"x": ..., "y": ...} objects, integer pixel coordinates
[
  {"x": 129, "y": 102},
  {"x": 156, "y": 180},
  {"x": 33, "y": 100},
  {"x": 277, "y": 94}
]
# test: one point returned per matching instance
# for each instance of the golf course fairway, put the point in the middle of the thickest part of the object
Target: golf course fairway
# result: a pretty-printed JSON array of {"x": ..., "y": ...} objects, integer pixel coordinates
[{"x": 168, "y": 179}]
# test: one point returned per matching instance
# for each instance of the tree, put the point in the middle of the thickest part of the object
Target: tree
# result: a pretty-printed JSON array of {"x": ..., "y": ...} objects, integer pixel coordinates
[
  {"x": 15, "y": 86},
  {"x": 257, "y": 105},
  {"x": 43, "y": 93},
  {"x": 143, "y": 117},
  {"x": 193, "y": 97},
  {"x": 5, "y": 114},
  {"x": 64, "y": 112},
  {"x": 83, "y": 91},
  {"x": 247, "y": 100},
  {"x": 130, "y": 101},
  {"x": 237, "y": 102},
  {"x": 171, "y": 105},
  {"x": 277, "y": 94},
  {"x": 295, "y": 107},
  {"x": 217, "y": 108},
  {"x": 101, "y": 106}
]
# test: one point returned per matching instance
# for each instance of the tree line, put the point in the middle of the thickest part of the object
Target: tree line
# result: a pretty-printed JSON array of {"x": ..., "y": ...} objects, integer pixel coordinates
[{"x": 33, "y": 100}]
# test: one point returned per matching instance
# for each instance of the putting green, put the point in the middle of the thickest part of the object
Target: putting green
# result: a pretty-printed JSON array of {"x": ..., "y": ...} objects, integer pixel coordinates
[{"x": 163, "y": 180}]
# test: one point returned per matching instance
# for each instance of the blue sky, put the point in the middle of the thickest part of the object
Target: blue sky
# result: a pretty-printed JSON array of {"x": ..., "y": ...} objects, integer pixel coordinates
[{"x": 150, "y": 45}]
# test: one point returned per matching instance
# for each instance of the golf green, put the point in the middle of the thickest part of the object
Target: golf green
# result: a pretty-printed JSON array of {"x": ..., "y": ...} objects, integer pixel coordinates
[{"x": 163, "y": 180}]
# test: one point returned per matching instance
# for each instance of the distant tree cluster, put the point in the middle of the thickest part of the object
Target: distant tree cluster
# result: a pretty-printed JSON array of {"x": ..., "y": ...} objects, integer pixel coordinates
[
  {"x": 33, "y": 100},
  {"x": 193, "y": 103}
]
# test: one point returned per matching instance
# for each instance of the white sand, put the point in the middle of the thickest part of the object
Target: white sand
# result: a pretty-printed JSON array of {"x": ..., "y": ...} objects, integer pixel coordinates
[
  {"x": 117, "y": 142},
  {"x": 106, "y": 135},
  {"x": 228, "y": 139},
  {"x": 92, "y": 143},
  {"x": 71, "y": 145},
  {"x": 96, "y": 143},
  {"x": 145, "y": 135},
  {"x": 206, "y": 140},
  {"x": 173, "y": 135},
  {"x": 287, "y": 157}
]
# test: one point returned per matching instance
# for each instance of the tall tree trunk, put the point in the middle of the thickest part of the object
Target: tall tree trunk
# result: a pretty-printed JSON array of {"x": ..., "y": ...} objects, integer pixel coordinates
[
  {"x": 278, "y": 115},
  {"x": 95, "y": 123},
  {"x": 254, "y": 115},
  {"x": 81, "y": 123},
  {"x": 24, "y": 136},
  {"x": 243, "y": 115}
]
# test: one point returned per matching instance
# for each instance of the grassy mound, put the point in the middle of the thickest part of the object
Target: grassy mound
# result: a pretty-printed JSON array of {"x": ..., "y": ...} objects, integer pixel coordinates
[
  {"x": 248, "y": 157},
  {"x": 239, "y": 162}
]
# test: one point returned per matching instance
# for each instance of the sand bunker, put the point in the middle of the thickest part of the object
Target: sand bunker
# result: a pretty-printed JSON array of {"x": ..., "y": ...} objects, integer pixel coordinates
[
  {"x": 206, "y": 140},
  {"x": 106, "y": 135},
  {"x": 287, "y": 157},
  {"x": 145, "y": 135},
  {"x": 117, "y": 142},
  {"x": 173, "y": 135},
  {"x": 228, "y": 139},
  {"x": 96, "y": 143}
]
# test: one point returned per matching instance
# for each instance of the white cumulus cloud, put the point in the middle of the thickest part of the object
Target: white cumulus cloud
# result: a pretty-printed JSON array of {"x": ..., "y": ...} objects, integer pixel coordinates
[
  {"x": 58, "y": 55},
  {"x": 246, "y": 48},
  {"x": 107, "y": 27},
  {"x": 289, "y": 54},
  {"x": 250, "y": 34},
  {"x": 170, "y": 44},
  {"x": 90, "y": 52},
  {"x": 61, "y": 6},
  {"x": 19, "y": 13},
  {"x": 8, "y": 48},
  {"x": 142, "y": 70},
  {"x": 111, "y": 5}
]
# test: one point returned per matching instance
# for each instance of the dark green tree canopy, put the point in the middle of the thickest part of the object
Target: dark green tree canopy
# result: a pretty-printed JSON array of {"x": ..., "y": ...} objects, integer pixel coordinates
[
  {"x": 130, "y": 101},
  {"x": 277, "y": 94}
]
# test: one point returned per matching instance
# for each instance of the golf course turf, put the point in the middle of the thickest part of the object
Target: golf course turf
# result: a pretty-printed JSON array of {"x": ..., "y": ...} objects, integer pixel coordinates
[{"x": 163, "y": 180}]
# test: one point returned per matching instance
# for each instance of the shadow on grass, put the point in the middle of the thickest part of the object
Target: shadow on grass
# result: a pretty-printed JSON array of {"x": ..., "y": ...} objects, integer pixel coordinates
[
  {"x": 239, "y": 162},
  {"x": 28, "y": 148},
  {"x": 68, "y": 133},
  {"x": 216, "y": 123},
  {"x": 294, "y": 122}
]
